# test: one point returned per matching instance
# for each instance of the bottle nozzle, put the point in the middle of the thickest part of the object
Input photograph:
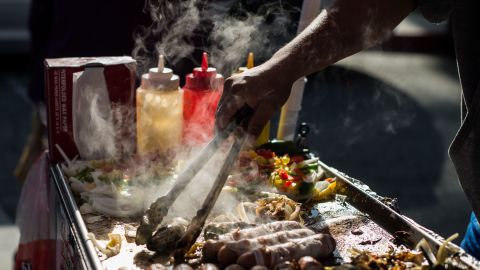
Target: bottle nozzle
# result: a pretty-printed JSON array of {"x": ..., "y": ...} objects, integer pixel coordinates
[
  {"x": 161, "y": 63},
  {"x": 250, "y": 63},
  {"x": 204, "y": 62}
]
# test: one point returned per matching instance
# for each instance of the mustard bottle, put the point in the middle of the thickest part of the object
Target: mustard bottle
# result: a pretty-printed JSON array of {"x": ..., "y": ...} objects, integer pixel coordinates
[{"x": 159, "y": 111}]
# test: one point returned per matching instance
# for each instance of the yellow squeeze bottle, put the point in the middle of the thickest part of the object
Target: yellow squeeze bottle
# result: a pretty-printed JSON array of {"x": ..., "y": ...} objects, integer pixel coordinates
[
  {"x": 265, "y": 134},
  {"x": 159, "y": 111}
]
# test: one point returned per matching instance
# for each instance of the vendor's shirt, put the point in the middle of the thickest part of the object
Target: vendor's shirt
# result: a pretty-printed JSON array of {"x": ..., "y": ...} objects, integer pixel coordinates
[{"x": 465, "y": 148}]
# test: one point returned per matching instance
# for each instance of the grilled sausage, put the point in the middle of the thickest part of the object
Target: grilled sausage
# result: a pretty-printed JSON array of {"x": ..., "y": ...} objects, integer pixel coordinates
[
  {"x": 285, "y": 266},
  {"x": 259, "y": 267},
  {"x": 318, "y": 246},
  {"x": 183, "y": 266},
  {"x": 227, "y": 256},
  {"x": 229, "y": 253},
  {"x": 213, "y": 230},
  {"x": 261, "y": 230},
  {"x": 212, "y": 247},
  {"x": 210, "y": 250},
  {"x": 208, "y": 266},
  {"x": 234, "y": 267},
  {"x": 309, "y": 263},
  {"x": 157, "y": 266}
]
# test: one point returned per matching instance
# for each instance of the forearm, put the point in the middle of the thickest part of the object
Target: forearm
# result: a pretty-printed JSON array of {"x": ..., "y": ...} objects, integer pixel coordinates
[{"x": 343, "y": 29}]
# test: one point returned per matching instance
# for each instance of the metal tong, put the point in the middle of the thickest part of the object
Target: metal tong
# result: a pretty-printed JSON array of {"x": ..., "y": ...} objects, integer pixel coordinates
[{"x": 159, "y": 209}]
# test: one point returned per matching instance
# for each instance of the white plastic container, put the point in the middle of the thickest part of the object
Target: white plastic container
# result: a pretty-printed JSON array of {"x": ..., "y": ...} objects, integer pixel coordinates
[{"x": 159, "y": 111}]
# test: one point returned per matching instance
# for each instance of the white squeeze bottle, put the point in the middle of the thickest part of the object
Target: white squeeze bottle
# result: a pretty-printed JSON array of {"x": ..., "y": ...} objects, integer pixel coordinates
[{"x": 159, "y": 111}]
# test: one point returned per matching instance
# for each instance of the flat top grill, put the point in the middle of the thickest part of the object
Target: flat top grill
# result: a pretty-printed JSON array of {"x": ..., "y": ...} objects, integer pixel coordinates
[{"x": 357, "y": 218}]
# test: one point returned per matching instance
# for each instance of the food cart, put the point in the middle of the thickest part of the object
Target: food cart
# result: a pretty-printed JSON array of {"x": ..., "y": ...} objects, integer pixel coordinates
[{"x": 77, "y": 250}]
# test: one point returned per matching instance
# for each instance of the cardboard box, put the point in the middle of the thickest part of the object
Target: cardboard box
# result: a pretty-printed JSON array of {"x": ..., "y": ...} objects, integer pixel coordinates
[{"x": 90, "y": 99}]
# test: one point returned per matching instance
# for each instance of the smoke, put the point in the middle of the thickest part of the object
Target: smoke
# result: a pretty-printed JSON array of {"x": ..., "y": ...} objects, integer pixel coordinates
[
  {"x": 103, "y": 130},
  {"x": 226, "y": 30},
  {"x": 175, "y": 44},
  {"x": 232, "y": 37},
  {"x": 95, "y": 122},
  {"x": 173, "y": 23},
  {"x": 191, "y": 199}
]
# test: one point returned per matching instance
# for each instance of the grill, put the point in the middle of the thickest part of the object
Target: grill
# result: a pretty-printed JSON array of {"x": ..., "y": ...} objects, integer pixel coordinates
[{"x": 377, "y": 220}]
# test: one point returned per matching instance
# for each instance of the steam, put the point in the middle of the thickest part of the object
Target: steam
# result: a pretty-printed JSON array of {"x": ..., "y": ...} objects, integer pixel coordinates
[
  {"x": 176, "y": 20},
  {"x": 101, "y": 129},
  {"x": 175, "y": 43},
  {"x": 105, "y": 131},
  {"x": 229, "y": 36},
  {"x": 97, "y": 123},
  {"x": 92, "y": 117},
  {"x": 190, "y": 200},
  {"x": 232, "y": 36}
]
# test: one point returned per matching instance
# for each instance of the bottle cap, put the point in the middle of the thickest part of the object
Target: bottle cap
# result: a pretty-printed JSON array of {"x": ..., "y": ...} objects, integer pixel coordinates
[
  {"x": 160, "y": 77},
  {"x": 204, "y": 77},
  {"x": 250, "y": 64}
]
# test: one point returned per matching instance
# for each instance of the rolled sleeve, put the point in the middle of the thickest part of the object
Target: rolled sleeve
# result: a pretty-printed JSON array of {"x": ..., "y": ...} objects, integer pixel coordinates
[{"x": 435, "y": 11}]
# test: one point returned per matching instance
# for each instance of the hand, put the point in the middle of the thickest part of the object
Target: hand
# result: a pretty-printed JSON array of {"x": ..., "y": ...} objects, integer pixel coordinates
[{"x": 262, "y": 88}]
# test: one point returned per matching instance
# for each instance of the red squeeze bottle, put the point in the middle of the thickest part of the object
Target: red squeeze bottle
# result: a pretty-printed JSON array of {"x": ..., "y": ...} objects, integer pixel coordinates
[{"x": 202, "y": 92}]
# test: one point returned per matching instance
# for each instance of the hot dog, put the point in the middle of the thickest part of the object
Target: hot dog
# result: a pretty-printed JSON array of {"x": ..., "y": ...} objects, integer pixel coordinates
[
  {"x": 229, "y": 253},
  {"x": 211, "y": 247},
  {"x": 261, "y": 230},
  {"x": 309, "y": 263},
  {"x": 317, "y": 246}
]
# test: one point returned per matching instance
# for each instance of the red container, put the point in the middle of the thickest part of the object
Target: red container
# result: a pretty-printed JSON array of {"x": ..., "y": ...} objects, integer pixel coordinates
[{"x": 202, "y": 92}]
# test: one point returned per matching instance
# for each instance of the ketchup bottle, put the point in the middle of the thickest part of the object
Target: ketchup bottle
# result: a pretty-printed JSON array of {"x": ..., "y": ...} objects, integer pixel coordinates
[{"x": 202, "y": 92}]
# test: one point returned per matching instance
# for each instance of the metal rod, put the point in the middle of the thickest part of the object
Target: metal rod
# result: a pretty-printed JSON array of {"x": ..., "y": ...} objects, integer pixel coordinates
[{"x": 79, "y": 229}]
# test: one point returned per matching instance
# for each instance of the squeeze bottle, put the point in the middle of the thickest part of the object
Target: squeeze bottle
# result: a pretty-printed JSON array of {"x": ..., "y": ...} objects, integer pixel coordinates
[
  {"x": 202, "y": 91},
  {"x": 159, "y": 111}
]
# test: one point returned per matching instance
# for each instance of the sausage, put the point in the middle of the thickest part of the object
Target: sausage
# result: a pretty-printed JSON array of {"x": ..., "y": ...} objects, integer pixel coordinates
[
  {"x": 211, "y": 247},
  {"x": 234, "y": 267},
  {"x": 318, "y": 246},
  {"x": 269, "y": 239},
  {"x": 261, "y": 230},
  {"x": 210, "y": 250},
  {"x": 285, "y": 266},
  {"x": 309, "y": 263},
  {"x": 260, "y": 256},
  {"x": 229, "y": 253},
  {"x": 157, "y": 266},
  {"x": 208, "y": 266},
  {"x": 183, "y": 266},
  {"x": 259, "y": 267},
  {"x": 227, "y": 256},
  {"x": 212, "y": 231}
]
